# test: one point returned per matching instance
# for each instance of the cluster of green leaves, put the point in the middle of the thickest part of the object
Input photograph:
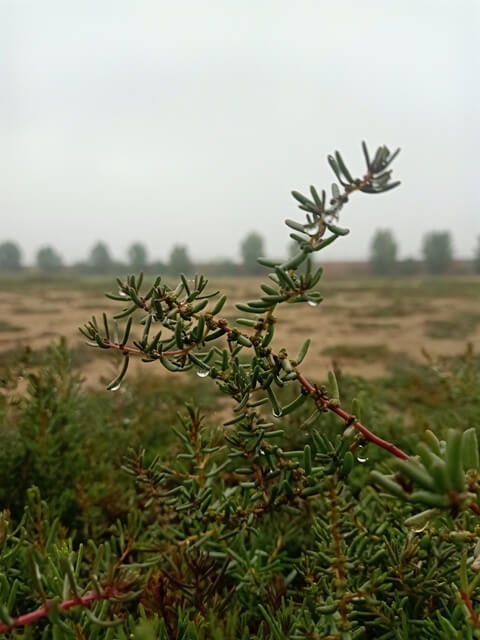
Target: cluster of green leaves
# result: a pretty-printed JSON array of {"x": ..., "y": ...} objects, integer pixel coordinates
[
  {"x": 260, "y": 529},
  {"x": 446, "y": 476},
  {"x": 70, "y": 444}
]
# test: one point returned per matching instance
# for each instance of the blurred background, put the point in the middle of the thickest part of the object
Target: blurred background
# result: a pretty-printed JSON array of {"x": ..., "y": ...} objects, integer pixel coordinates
[{"x": 167, "y": 137}]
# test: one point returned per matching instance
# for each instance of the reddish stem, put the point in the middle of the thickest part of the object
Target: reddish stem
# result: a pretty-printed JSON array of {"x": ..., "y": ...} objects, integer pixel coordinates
[
  {"x": 133, "y": 351},
  {"x": 29, "y": 618},
  {"x": 347, "y": 417},
  {"x": 371, "y": 437},
  {"x": 468, "y": 603}
]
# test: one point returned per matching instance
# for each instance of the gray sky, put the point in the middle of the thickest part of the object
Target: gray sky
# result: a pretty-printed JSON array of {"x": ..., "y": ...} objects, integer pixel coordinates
[{"x": 191, "y": 121}]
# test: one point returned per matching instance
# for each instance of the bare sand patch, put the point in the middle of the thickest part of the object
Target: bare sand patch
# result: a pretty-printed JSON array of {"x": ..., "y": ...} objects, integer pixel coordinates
[{"x": 364, "y": 318}]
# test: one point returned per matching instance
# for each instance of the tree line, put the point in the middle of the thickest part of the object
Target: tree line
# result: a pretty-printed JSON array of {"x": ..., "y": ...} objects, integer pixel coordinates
[
  {"x": 100, "y": 261},
  {"x": 437, "y": 252}
]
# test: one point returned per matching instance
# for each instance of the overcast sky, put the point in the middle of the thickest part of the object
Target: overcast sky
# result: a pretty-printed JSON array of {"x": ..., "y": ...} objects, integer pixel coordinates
[{"x": 191, "y": 121}]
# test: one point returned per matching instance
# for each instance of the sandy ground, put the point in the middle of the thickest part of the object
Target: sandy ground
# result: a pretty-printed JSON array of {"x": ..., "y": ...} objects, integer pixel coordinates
[{"x": 361, "y": 320}]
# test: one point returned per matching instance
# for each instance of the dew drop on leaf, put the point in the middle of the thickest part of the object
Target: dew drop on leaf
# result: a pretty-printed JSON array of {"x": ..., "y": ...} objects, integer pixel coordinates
[
  {"x": 122, "y": 294},
  {"x": 116, "y": 387},
  {"x": 277, "y": 414},
  {"x": 312, "y": 303},
  {"x": 420, "y": 529},
  {"x": 362, "y": 454},
  {"x": 202, "y": 373}
]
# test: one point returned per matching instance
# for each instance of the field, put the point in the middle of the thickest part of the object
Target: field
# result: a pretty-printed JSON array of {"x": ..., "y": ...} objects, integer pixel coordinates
[{"x": 364, "y": 325}]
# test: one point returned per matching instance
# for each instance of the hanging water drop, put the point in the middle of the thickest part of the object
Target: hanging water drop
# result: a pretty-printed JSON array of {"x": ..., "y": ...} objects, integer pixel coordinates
[
  {"x": 122, "y": 294},
  {"x": 277, "y": 413},
  {"x": 420, "y": 529},
  {"x": 361, "y": 454},
  {"x": 202, "y": 373},
  {"x": 313, "y": 303},
  {"x": 420, "y": 521},
  {"x": 116, "y": 387}
]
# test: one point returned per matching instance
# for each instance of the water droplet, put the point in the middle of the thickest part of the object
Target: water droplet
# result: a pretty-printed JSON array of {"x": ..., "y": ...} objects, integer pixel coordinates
[
  {"x": 116, "y": 387},
  {"x": 262, "y": 452},
  {"x": 362, "y": 454},
  {"x": 419, "y": 522},
  {"x": 202, "y": 373},
  {"x": 277, "y": 414},
  {"x": 312, "y": 303},
  {"x": 420, "y": 529},
  {"x": 122, "y": 294}
]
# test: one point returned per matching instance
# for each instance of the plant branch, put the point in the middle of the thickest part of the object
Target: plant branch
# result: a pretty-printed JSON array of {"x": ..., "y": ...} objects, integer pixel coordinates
[
  {"x": 350, "y": 419},
  {"x": 42, "y": 612},
  {"x": 468, "y": 603}
]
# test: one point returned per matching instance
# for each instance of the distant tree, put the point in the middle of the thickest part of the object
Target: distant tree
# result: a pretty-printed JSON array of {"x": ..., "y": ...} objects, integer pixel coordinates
[
  {"x": 100, "y": 260},
  {"x": 383, "y": 253},
  {"x": 137, "y": 256},
  {"x": 437, "y": 251},
  {"x": 10, "y": 256},
  {"x": 476, "y": 257},
  {"x": 48, "y": 260},
  {"x": 179, "y": 261},
  {"x": 252, "y": 247}
]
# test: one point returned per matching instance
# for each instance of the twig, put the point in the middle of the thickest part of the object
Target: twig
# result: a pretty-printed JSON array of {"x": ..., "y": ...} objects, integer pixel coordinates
[
  {"x": 347, "y": 417},
  {"x": 468, "y": 603},
  {"x": 29, "y": 618}
]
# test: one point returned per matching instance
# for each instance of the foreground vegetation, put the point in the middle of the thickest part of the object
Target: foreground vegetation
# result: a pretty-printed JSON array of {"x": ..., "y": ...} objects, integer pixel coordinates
[
  {"x": 315, "y": 511},
  {"x": 349, "y": 544}
]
